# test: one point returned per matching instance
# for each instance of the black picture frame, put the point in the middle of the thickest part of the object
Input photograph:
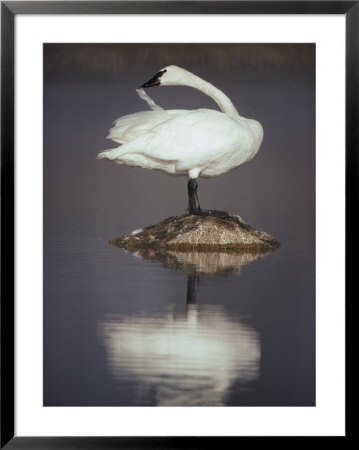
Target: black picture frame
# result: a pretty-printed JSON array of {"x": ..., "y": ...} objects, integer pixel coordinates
[{"x": 9, "y": 10}]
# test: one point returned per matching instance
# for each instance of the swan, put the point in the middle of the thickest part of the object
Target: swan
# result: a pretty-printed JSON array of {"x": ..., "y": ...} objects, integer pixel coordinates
[{"x": 202, "y": 142}]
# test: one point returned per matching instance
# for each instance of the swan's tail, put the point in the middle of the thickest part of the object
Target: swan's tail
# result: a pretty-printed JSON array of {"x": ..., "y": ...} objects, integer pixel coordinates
[
  {"x": 111, "y": 154},
  {"x": 102, "y": 155}
]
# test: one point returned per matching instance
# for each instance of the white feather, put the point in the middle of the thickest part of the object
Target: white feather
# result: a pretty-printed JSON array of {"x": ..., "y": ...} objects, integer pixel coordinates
[{"x": 149, "y": 100}]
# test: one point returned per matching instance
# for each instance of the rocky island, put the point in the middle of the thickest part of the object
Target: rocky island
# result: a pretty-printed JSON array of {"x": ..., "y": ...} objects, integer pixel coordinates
[{"x": 191, "y": 232}]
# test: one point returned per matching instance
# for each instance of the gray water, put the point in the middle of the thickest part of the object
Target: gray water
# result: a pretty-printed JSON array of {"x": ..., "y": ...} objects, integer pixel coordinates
[{"x": 181, "y": 329}]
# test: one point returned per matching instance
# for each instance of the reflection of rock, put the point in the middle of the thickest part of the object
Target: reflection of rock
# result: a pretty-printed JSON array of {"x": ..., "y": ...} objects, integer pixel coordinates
[
  {"x": 188, "y": 360},
  {"x": 202, "y": 263},
  {"x": 191, "y": 232}
]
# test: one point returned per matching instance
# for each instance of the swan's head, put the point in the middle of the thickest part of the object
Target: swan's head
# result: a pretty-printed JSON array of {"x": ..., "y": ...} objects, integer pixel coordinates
[{"x": 168, "y": 76}]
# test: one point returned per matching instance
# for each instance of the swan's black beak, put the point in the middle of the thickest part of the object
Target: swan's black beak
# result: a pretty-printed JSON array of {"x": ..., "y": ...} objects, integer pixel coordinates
[{"x": 154, "y": 81}]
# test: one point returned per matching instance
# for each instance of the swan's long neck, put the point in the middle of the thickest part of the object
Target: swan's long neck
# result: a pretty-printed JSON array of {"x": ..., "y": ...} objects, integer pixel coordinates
[{"x": 218, "y": 96}]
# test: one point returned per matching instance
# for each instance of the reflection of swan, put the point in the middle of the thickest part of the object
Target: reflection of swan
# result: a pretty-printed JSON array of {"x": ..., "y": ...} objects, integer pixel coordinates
[
  {"x": 189, "y": 360},
  {"x": 188, "y": 357},
  {"x": 201, "y": 142}
]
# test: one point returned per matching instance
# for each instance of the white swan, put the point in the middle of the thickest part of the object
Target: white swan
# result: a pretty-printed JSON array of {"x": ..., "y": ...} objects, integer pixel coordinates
[{"x": 200, "y": 142}]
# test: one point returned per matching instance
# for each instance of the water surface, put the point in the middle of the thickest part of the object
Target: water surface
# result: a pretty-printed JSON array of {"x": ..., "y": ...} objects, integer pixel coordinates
[{"x": 124, "y": 330}]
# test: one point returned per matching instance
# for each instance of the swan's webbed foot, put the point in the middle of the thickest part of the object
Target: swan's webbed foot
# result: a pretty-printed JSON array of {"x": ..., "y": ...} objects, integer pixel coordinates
[
  {"x": 194, "y": 206},
  {"x": 210, "y": 212}
]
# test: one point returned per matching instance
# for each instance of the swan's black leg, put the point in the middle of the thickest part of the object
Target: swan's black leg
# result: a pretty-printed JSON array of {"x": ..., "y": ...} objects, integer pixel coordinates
[
  {"x": 194, "y": 206},
  {"x": 198, "y": 206},
  {"x": 192, "y": 194}
]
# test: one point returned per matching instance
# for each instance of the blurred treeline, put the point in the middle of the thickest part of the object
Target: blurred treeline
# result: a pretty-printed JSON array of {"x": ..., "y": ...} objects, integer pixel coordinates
[{"x": 118, "y": 58}]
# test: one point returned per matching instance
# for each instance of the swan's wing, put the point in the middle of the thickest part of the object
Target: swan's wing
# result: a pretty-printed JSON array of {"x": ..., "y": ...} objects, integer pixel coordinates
[
  {"x": 197, "y": 137},
  {"x": 130, "y": 127},
  {"x": 204, "y": 141}
]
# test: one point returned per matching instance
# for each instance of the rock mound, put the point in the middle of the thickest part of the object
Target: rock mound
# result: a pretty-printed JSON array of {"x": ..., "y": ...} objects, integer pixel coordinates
[{"x": 201, "y": 233}]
